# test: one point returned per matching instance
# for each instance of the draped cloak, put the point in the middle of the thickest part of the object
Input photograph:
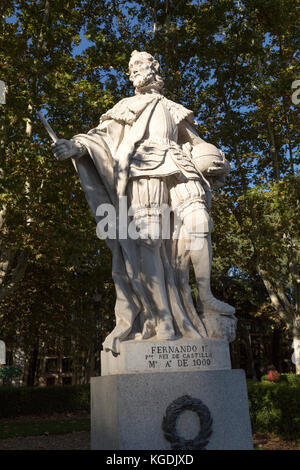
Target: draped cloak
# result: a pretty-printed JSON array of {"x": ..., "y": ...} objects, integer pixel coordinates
[{"x": 103, "y": 172}]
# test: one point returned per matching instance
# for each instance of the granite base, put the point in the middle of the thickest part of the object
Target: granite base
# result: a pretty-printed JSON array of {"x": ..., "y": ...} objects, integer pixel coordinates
[{"x": 159, "y": 411}]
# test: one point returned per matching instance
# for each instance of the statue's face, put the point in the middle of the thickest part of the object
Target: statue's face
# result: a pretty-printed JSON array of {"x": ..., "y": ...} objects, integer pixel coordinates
[{"x": 141, "y": 71}]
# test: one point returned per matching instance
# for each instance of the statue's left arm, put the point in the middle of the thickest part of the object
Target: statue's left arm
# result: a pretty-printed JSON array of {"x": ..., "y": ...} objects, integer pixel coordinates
[
  {"x": 218, "y": 169},
  {"x": 187, "y": 134}
]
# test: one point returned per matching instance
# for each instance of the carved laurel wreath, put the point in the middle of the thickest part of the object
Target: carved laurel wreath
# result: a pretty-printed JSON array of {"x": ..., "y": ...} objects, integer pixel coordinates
[{"x": 170, "y": 421}]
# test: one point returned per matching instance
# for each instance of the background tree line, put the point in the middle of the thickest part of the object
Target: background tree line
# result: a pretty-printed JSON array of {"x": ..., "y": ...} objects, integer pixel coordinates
[{"x": 233, "y": 63}]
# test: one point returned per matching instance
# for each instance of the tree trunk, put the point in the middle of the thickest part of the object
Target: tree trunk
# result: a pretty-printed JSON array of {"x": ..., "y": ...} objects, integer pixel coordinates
[
  {"x": 276, "y": 348},
  {"x": 273, "y": 149},
  {"x": 287, "y": 123},
  {"x": 235, "y": 355},
  {"x": 59, "y": 368},
  {"x": 33, "y": 360},
  {"x": 42, "y": 379},
  {"x": 249, "y": 353},
  {"x": 278, "y": 299},
  {"x": 286, "y": 311},
  {"x": 296, "y": 345}
]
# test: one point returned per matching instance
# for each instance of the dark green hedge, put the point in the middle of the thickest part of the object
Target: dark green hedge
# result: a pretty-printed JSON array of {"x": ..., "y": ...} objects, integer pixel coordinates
[
  {"x": 16, "y": 401},
  {"x": 275, "y": 407},
  {"x": 290, "y": 378}
]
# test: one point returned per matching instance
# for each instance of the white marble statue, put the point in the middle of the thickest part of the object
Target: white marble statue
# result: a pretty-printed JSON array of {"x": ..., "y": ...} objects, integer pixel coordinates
[{"x": 147, "y": 148}]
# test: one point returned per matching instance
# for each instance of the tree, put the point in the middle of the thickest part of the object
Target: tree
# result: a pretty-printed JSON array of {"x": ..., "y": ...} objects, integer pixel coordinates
[
  {"x": 233, "y": 63},
  {"x": 46, "y": 227}
]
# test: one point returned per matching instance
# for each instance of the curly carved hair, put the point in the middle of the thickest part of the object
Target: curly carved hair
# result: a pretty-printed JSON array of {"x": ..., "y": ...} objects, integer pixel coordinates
[{"x": 154, "y": 63}]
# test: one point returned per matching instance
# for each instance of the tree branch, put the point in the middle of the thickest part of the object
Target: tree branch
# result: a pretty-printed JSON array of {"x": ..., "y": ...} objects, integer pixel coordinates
[{"x": 284, "y": 310}]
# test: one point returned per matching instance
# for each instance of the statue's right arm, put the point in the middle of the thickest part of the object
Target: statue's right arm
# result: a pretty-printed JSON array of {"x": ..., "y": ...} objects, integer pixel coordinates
[
  {"x": 110, "y": 131},
  {"x": 64, "y": 149}
]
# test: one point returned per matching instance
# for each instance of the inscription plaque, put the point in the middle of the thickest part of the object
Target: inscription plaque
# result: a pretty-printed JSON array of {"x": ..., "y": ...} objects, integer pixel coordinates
[
  {"x": 181, "y": 356},
  {"x": 164, "y": 356}
]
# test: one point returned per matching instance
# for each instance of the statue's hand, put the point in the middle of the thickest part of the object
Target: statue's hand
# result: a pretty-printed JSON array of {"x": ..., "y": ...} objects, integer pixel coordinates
[
  {"x": 64, "y": 149},
  {"x": 219, "y": 168},
  {"x": 218, "y": 171}
]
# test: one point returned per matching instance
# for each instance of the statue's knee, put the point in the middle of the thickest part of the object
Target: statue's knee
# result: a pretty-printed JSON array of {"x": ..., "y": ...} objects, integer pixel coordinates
[
  {"x": 150, "y": 242},
  {"x": 197, "y": 220},
  {"x": 148, "y": 227}
]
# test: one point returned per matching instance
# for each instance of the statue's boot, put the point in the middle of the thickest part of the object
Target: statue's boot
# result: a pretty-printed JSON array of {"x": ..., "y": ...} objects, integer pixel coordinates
[
  {"x": 202, "y": 261},
  {"x": 148, "y": 329},
  {"x": 210, "y": 305}
]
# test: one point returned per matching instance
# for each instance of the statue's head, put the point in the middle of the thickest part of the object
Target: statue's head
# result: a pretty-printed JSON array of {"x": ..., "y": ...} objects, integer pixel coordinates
[{"x": 143, "y": 72}]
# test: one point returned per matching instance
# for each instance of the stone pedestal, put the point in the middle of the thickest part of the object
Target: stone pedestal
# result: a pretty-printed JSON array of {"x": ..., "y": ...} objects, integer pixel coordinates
[
  {"x": 164, "y": 395},
  {"x": 177, "y": 410}
]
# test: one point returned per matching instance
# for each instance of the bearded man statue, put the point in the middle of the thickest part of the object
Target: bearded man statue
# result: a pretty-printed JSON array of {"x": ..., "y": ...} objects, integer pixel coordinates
[{"x": 146, "y": 149}]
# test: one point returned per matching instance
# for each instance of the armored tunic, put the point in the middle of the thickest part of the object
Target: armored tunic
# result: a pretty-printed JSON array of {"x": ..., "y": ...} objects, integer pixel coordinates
[
  {"x": 158, "y": 153},
  {"x": 160, "y": 171}
]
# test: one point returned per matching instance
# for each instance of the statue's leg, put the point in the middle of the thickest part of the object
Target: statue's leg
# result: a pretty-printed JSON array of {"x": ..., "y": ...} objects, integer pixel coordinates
[
  {"x": 147, "y": 196},
  {"x": 154, "y": 276},
  {"x": 201, "y": 256},
  {"x": 197, "y": 228}
]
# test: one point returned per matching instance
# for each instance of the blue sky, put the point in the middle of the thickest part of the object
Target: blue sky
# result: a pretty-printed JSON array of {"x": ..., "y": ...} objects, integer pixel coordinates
[
  {"x": 84, "y": 44},
  {"x": 77, "y": 49}
]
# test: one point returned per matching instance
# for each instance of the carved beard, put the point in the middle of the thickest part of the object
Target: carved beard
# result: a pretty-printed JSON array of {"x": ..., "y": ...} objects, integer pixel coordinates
[
  {"x": 143, "y": 79},
  {"x": 147, "y": 82}
]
